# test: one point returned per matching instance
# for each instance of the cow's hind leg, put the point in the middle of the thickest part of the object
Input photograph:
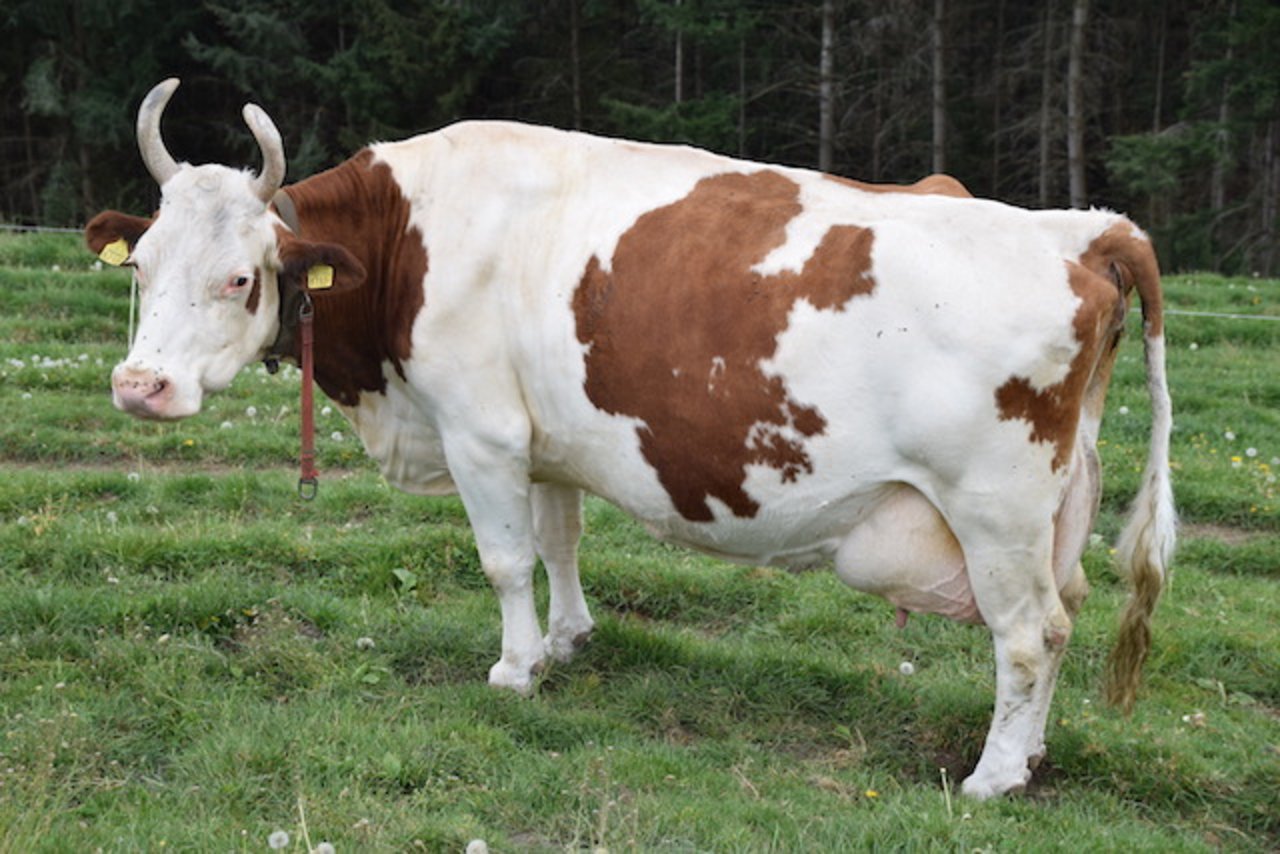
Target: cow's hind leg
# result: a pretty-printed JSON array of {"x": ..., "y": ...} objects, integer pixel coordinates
[
  {"x": 1011, "y": 575},
  {"x": 557, "y": 524},
  {"x": 1072, "y": 594}
]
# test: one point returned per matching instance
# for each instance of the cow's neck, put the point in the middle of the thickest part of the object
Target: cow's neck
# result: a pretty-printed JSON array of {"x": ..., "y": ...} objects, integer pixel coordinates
[{"x": 359, "y": 205}]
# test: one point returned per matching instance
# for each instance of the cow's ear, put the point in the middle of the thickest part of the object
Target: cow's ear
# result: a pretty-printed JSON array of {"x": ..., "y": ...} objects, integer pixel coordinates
[
  {"x": 111, "y": 235},
  {"x": 319, "y": 267}
]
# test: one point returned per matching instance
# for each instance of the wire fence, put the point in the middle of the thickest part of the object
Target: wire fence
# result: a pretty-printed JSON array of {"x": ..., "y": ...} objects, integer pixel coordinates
[{"x": 39, "y": 229}]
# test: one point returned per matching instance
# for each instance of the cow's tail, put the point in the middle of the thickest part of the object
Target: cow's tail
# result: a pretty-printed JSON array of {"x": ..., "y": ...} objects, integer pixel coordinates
[{"x": 1146, "y": 544}]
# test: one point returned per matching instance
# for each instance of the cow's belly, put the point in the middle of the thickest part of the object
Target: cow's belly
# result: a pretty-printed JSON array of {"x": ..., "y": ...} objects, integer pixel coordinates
[{"x": 396, "y": 434}]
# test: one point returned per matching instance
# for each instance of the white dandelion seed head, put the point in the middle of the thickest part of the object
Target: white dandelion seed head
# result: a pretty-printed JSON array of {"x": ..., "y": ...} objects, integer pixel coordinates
[
  {"x": 325, "y": 848},
  {"x": 251, "y": 411},
  {"x": 278, "y": 839},
  {"x": 327, "y": 411},
  {"x": 365, "y": 643},
  {"x": 906, "y": 668},
  {"x": 1193, "y": 346},
  {"x": 112, "y": 518},
  {"x": 1124, "y": 410},
  {"x": 477, "y": 846},
  {"x": 1229, "y": 436},
  {"x": 225, "y": 425},
  {"x": 1250, "y": 452},
  {"x": 26, "y": 395},
  {"x": 133, "y": 477},
  {"x": 336, "y": 436}
]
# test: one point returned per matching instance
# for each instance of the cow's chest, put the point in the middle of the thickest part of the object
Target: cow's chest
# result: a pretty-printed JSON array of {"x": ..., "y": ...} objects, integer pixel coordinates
[{"x": 396, "y": 433}]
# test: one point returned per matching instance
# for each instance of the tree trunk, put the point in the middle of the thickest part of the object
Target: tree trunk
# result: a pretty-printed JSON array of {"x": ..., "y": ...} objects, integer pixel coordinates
[
  {"x": 1157, "y": 114},
  {"x": 742, "y": 95},
  {"x": 1046, "y": 94},
  {"x": 1222, "y": 142},
  {"x": 997, "y": 100},
  {"x": 826, "y": 94},
  {"x": 575, "y": 61},
  {"x": 1075, "y": 105},
  {"x": 939, "y": 91},
  {"x": 679, "y": 93}
]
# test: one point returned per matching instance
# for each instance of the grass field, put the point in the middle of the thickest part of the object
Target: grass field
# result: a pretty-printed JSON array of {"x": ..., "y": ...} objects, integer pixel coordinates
[{"x": 192, "y": 658}]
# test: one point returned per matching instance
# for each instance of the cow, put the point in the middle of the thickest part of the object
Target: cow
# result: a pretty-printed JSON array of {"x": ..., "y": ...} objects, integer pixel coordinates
[{"x": 764, "y": 363}]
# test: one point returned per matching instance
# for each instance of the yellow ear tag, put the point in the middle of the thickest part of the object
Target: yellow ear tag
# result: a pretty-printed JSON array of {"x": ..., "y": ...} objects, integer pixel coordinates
[
  {"x": 320, "y": 278},
  {"x": 115, "y": 253}
]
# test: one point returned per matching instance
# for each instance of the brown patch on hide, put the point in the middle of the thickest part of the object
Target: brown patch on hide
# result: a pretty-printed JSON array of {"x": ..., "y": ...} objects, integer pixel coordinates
[
  {"x": 358, "y": 207},
  {"x": 1054, "y": 412},
  {"x": 679, "y": 327}
]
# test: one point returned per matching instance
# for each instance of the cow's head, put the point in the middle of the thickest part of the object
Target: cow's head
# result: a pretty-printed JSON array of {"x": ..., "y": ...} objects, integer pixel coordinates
[{"x": 209, "y": 265}]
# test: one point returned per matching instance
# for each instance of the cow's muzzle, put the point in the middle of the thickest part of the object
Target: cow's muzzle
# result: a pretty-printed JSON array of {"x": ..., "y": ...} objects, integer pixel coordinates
[{"x": 143, "y": 392}]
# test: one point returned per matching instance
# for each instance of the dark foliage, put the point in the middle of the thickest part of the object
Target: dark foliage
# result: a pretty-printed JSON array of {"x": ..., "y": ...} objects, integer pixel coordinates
[{"x": 1179, "y": 100}]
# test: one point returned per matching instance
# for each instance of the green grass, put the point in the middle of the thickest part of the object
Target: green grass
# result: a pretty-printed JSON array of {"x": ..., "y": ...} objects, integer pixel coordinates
[{"x": 189, "y": 653}]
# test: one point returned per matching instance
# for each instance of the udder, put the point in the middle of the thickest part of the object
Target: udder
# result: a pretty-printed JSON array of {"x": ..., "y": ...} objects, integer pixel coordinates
[{"x": 905, "y": 552}]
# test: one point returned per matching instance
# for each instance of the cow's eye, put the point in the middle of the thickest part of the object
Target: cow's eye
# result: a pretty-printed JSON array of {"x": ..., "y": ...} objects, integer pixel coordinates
[{"x": 239, "y": 281}]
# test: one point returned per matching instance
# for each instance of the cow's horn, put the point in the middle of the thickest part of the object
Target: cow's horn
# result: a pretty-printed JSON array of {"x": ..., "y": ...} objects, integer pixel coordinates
[
  {"x": 268, "y": 137},
  {"x": 159, "y": 162}
]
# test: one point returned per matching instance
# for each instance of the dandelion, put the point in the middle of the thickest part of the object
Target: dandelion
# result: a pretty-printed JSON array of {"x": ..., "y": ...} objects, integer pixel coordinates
[
  {"x": 336, "y": 436},
  {"x": 365, "y": 643},
  {"x": 26, "y": 395},
  {"x": 906, "y": 668},
  {"x": 325, "y": 848},
  {"x": 871, "y": 793},
  {"x": 1124, "y": 410},
  {"x": 1251, "y": 452},
  {"x": 1236, "y": 462},
  {"x": 112, "y": 518},
  {"x": 327, "y": 411},
  {"x": 279, "y": 839},
  {"x": 251, "y": 411},
  {"x": 477, "y": 846},
  {"x": 1193, "y": 346},
  {"x": 225, "y": 425},
  {"x": 188, "y": 443},
  {"x": 1229, "y": 436}
]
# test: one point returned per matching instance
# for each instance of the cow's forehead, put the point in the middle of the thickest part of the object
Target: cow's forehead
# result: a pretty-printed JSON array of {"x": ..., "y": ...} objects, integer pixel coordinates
[{"x": 210, "y": 211}]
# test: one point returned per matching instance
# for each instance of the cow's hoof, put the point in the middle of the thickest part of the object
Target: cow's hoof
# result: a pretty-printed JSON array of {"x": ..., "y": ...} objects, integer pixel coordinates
[
  {"x": 562, "y": 647},
  {"x": 1036, "y": 757},
  {"x": 515, "y": 677},
  {"x": 981, "y": 786}
]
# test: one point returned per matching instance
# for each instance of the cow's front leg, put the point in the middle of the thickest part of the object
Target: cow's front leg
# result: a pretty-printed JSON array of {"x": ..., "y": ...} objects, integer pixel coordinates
[
  {"x": 494, "y": 485},
  {"x": 557, "y": 525}
]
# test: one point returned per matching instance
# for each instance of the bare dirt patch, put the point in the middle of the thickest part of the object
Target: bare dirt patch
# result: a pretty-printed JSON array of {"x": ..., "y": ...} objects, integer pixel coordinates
[{"x": 1221, "y": 533}]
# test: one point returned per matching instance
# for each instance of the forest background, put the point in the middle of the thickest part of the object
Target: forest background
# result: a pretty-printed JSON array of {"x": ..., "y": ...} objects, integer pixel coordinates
[{"x": 1169, "y": 111}]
